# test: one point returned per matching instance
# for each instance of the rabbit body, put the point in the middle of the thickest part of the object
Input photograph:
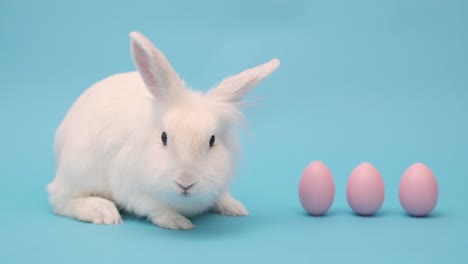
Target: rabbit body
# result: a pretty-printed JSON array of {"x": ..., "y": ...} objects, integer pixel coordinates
[{"x": 144, "y": 142}]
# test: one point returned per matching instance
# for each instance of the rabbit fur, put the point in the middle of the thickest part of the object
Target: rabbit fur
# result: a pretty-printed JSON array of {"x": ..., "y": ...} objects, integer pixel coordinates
[{"x": 145, "y": 143}]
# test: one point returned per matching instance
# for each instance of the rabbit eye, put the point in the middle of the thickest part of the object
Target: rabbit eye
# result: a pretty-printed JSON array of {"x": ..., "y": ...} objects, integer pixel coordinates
[
  {"x": 212, "y": 140},
  {"x": 164, "y": 138}
]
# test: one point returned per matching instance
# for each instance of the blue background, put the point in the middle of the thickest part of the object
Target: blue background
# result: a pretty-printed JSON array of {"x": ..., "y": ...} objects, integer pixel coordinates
[{"x": 378, "y": 81}]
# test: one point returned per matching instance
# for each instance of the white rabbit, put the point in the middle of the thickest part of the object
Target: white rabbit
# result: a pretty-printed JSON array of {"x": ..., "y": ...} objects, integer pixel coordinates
[{"x": 144, "y": 142}]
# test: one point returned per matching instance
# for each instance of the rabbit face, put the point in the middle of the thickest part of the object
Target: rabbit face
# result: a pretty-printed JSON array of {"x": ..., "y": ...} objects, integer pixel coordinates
[{"x": 200, "y": 150}]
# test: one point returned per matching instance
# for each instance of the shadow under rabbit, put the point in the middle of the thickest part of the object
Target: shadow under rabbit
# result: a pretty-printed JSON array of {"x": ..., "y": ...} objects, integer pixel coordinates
[{"x": 205, "y": 225}]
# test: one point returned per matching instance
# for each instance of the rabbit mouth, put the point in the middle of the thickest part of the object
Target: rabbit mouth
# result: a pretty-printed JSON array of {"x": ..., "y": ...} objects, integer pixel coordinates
[{"x": 185, "y": 188}]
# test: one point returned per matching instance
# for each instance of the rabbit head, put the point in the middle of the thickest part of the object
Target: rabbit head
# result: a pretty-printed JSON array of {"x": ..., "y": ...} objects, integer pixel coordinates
[{"x": 196, "y": 143}]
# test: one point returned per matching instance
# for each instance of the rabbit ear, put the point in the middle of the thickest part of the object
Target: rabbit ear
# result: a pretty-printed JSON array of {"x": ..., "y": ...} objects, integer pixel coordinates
[
  {"x": 156, "y": 71},
  {"x": 234, "y": 88}
]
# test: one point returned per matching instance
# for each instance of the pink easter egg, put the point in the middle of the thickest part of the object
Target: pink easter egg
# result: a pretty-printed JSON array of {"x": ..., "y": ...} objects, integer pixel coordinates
[
  {"x": 316, "y": 189},
  {"x": 365, "y": 190},
  {"x": 418, "y": 190}
]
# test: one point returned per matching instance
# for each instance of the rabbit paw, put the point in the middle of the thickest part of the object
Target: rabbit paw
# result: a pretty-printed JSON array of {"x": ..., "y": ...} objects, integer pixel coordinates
[
  {"x": 172, "y": 220},
  {"x": 96, "y": 210},
  {"x": 230, "y": 207}
]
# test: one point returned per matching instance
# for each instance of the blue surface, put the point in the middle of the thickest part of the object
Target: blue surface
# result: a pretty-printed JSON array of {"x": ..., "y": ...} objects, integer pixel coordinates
[{"x": 378, "y": 81}]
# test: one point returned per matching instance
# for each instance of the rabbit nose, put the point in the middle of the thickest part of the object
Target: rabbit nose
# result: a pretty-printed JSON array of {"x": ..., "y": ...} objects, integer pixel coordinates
[{"x": 185, "y": 187}]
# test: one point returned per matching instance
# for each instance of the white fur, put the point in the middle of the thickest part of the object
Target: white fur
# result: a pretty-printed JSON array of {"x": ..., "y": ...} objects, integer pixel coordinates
[{"x": 109, "y": 150}]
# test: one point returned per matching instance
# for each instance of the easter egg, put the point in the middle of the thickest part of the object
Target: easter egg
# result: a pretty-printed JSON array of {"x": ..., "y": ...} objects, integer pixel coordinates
[
  {"x": 316, "y": 189},
  {"x": 365, "y": 190},
  {"x": 418, "y": 190}
]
